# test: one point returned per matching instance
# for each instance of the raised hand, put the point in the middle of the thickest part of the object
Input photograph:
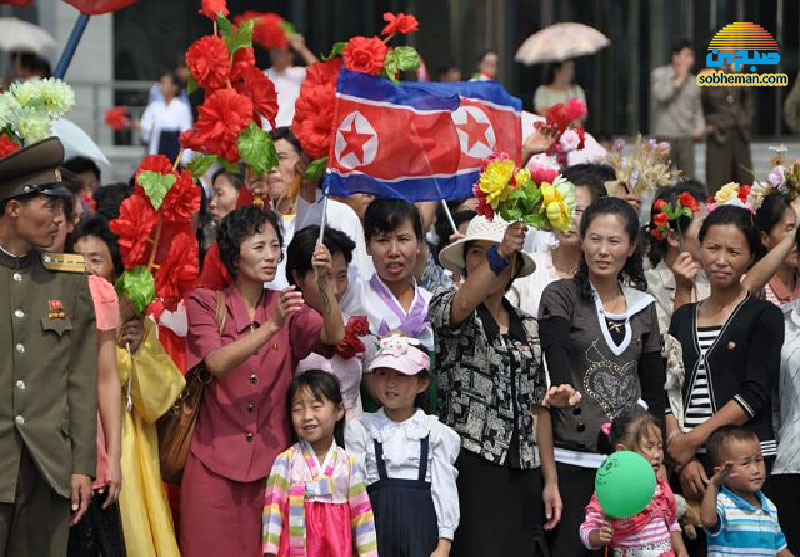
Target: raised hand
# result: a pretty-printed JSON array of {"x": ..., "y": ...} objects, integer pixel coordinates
[
  {"x": 513, "y": 240},
  {"x": 561, "y": 396},
  {"x": 291, "y": 301}
]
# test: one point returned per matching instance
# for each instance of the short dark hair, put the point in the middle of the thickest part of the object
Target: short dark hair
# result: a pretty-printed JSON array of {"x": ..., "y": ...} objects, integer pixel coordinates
[
  {"x": 627, "y": 429},
  {"x": 680, "y": 45},
  {"x": 234, "y": 178},
  {"x": 591, "y": 175},
  {"x": 238, "y": 225},
  {"x": 742, "y": 219},
  {"x": 70, "y": 181},
  {"x": 301, "y": 249},
  {"x": 717, "y": 444},
  {"x": 97, "y": 226},
  {"x": 108, "y": 198},
  {"x": 35, "y": 64},
  {"x": 771, "y": 212},
  {"x": 285, "y": 133},
  {"x": 323, "y": 386},
  {"x": 81, "y": 164},
  {"x": 385, "y": 215}
]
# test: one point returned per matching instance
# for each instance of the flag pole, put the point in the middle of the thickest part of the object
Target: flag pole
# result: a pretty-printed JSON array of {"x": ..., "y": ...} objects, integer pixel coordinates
[
  {"x": 326, "y": 304},
  {"x": 71, "y": 46}
]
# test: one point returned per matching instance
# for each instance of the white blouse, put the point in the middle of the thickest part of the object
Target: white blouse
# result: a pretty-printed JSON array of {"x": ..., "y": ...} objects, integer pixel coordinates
[
  {"x": 401, "y": 445},
  {"x": 526, "y": 292},
  {"x": 158, "y": 117},
  {"x": 787, "y": 419}
]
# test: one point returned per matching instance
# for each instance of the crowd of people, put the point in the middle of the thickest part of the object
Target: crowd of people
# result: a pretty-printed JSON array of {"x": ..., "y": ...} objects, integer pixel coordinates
[{"x": 382, "y": 383}]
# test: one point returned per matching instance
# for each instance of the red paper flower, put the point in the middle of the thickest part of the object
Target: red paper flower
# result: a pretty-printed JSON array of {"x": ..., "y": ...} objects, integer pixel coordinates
[
  {"x": 349, "y": 347},
  {"x": 686, "y": 199},
  {"x": 659, "y": 204},
  {"x": 358, "y": 325},
  {"x": 661, "y": 219},
  {"x": 7, "y": 146},
  {"x": 268, "y": 31},
  {"x": 178, "y": 273},
  {"x": 209, "y": 61},
  {"x": 543, "y": 174},
  {"x": 575, "y": 109},
  {"x": 243, "y": 58},
  {"x": 117, "y": 118},
  {"x": 313, "y": 110},
  {"x": 182, "y": 200},
  {"x": 261, "y": 92},
  {"x": 135, "y": 224},
  {"x": 483, "y": 208},
  {"x": 657, "y": 234},
  {"x": 221, "y": 118},
  {"x": 210, "y": 8},
  {"x": 400, "y": 23},
  {"x": 365, "y": 54},
  {"x": 744, "y": 191}
]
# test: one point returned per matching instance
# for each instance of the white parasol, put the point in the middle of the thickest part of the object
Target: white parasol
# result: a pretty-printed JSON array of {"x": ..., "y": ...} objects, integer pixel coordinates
[
  {"x": 561, "y": 42},
  {"x": 77, "y": 142},
  {"x": 16, "y": 34}
]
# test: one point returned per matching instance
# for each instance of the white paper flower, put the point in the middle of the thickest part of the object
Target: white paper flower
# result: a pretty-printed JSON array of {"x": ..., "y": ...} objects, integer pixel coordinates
[
  {"x": 34, "y": 125},
  {"x": 9, "y": 111},
  {"x": 569, "y": 140}
]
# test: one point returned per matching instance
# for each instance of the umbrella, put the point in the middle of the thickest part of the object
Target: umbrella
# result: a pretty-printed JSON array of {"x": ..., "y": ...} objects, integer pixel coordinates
[
  {"x": 16, "y": 34},
  {"x": 561, "y": 42},
  {"x": 77, "y": 142}
]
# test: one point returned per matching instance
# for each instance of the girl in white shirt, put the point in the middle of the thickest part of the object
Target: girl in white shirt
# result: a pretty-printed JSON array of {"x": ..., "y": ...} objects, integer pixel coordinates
[
  {"x": 164, "y": 120},
  {"x": 408, "y": 455}
]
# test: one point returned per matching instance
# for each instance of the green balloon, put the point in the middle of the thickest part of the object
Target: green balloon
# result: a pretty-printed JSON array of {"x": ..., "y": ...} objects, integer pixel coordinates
[{"x": 625, "y": 484}]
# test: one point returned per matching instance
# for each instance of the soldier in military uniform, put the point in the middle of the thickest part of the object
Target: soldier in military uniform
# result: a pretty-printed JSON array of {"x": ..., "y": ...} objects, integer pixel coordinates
[
  {"x": 48, "y": 362},
  {"x": 728, "y": 111}
]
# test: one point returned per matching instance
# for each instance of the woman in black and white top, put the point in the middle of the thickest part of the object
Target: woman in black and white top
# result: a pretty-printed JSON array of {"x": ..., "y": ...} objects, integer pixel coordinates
[{"x": 731, "y": 350}]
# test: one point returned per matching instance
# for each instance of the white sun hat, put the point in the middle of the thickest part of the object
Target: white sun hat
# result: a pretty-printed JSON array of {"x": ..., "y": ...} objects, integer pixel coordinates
[{"x": 481, "y": 229}]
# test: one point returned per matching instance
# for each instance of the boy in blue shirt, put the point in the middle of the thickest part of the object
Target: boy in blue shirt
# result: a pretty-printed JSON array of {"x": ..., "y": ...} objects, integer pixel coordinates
[{"x": 737, "y": 516}]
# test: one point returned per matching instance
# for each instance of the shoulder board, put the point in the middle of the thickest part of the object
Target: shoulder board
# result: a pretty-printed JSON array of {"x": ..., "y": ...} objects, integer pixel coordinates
[{"x": 64, "y": 262}]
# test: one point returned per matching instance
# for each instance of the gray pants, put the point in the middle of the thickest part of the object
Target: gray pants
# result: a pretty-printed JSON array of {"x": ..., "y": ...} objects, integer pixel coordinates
[
  {"x": 681, "y": 152},
  {"x": 36, "y": 524},
  {"x": 727, "y": 162}
]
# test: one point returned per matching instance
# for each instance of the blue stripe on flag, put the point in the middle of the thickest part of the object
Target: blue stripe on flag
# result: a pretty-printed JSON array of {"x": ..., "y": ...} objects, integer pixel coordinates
[{"x": 413, "y": 190}]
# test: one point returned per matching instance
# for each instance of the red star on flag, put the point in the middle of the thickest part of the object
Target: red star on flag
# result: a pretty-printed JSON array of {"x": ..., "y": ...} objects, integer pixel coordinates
[
  {"x": 476, "y": 131},
  {"x": 354, "y": 142}
]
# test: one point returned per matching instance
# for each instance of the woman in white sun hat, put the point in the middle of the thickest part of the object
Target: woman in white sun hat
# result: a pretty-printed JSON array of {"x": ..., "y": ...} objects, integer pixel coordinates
[{"x": 491, "y": 382}]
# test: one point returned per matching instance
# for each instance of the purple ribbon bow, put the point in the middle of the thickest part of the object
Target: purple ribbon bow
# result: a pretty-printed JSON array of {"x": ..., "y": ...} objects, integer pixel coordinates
[{"x": 413, "y": 323}]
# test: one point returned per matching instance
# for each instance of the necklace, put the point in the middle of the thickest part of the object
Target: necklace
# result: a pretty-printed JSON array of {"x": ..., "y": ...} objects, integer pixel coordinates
[{"x": 8, "y": 253}]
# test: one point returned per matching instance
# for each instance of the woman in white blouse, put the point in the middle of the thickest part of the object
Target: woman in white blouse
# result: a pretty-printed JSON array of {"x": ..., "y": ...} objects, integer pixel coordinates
[
  {"x": 164, "y": 119},
  {"x": 559, "y": 88}
]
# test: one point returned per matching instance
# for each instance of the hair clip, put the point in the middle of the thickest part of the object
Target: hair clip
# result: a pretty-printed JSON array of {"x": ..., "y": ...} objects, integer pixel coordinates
[{"x": 606, "y": 428}]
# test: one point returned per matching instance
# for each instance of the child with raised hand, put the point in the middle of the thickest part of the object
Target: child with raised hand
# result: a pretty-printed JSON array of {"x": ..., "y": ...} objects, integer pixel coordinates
[
  {"x": 737, "y": 516},
  {"x": 409, "y": 456},
  {"x": 654, "y": 532},
  {"x": 316, "y": 502}
]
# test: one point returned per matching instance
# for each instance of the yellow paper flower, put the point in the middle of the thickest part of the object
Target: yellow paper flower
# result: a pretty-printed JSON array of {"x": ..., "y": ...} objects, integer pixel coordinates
[
  {"x": 559, "y": 203},
  {"x": 727, "y": 192},
  {"x": 495, "y": 180},
  {"x": 522, "y": 176}
]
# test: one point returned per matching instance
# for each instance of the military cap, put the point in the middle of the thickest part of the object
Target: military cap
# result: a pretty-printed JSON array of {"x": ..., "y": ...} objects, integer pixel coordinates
[{"x": 33, "y": 170}]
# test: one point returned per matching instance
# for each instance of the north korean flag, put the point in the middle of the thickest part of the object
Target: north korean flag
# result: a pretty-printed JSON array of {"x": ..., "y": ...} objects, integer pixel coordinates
[{"x": 417, "y": 141}]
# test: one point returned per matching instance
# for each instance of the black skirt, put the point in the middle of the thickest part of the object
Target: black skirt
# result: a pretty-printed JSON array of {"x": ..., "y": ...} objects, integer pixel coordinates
[
  {"x": 576, "y": 485},
  {"x": 501, "y": 509},
  {"x": 405, "y": 519}
]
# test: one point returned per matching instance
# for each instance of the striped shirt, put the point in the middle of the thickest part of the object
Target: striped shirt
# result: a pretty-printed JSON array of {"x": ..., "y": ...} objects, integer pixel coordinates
[
  {"x": 743, "y": 529},
  {"x": 651, "y": 527},
  {"x": 296, "y": 479},
  {"x": 698, "y": 410}
]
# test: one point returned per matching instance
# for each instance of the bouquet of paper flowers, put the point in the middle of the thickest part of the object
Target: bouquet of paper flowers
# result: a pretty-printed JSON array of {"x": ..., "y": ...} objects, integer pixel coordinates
[
  {"x": 732, "y": 193},
  {"x": 666, "y": 221},
  {"x": 313, "y": 117},
  {"x": 29, "y": 109},
  {"x": 352, "y": 345},
  {"x": 540, "y": 198},
  {"x": 238, "y": 98},
  {"x": 563, "y": 120},
  {"x": 117, "y": 118},
  {"x": 270, "y": 31},
  {"x": 156, "y": 240},
  {"x": 785, "y": 178},
  {"x": 646, "y": 169}
]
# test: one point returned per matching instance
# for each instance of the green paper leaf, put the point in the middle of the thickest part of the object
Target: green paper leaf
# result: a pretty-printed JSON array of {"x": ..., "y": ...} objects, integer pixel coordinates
[
  {"x": 288, "y": 28},
  {"x": 517, "y": 194},
  {"x": 138, "y": 285},
  {"x": 257, "y": 150},
  {"x": 241, "y": 37},
  {"x": 191, "y": 84},
  {"x": 336, "y": 50},
  {"x": 224, "y": 25},
  {"x": 390, "y": 65},
  {"x": 156, "y": 186},
  {"x": 687, "y": 212},
  {"x": 407, "y": 58},
  {"x": 511, "y": 215},
  {"x": 200, "y": 164},
  {"x": 316, "y": 169}
]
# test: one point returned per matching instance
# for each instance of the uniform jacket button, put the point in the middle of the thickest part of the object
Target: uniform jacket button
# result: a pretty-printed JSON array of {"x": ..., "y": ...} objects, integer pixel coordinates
[
  {"x": 17, "y": 277},
  {"x": 20, "y": 348},
  {"x": 20, "y": 384},
  {"x": 20, "y": 420},
  {"x": 19, "y": 314}
]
